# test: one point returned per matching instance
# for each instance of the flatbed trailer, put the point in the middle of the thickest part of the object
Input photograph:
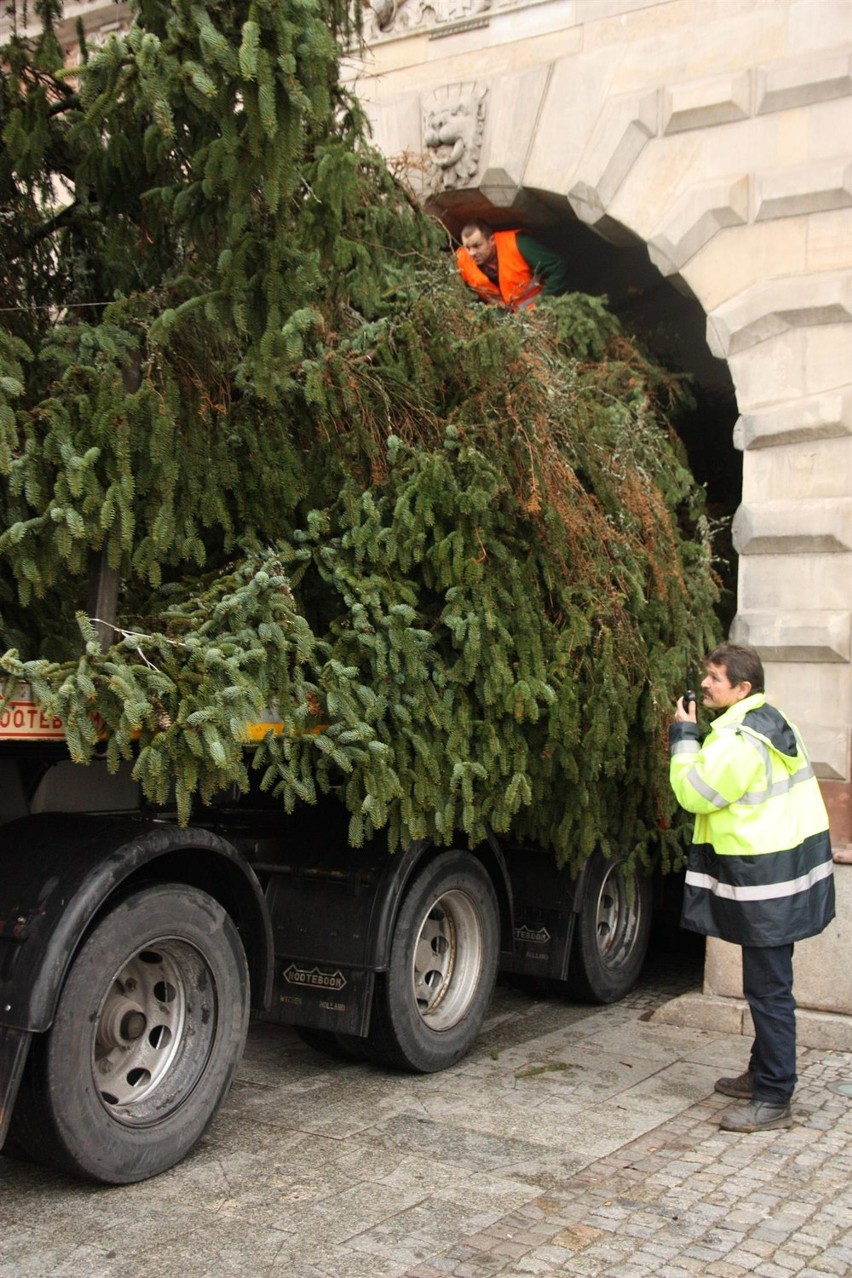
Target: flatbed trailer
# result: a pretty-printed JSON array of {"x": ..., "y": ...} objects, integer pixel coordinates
[{"x": 134, "y": 950}]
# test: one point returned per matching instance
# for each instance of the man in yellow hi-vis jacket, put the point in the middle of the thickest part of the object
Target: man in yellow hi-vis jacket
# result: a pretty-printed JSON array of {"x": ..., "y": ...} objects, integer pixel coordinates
[{"x": 759, "y": 871}]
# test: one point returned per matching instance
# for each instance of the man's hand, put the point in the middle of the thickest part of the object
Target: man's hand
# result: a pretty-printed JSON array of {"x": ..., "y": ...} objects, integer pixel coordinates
[{"x": 686, "y": 716}]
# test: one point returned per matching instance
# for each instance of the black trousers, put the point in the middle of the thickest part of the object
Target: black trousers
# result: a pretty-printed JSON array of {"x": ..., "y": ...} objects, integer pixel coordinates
[{"x": 768, "y": 988}]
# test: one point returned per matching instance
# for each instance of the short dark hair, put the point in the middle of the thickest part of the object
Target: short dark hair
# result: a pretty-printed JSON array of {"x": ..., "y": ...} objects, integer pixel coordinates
[
  {"x": 478, "y": 224},
  {"x": 741, "y": 664}
]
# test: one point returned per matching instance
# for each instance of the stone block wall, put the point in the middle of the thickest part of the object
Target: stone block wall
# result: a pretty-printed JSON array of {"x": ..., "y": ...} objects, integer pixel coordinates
[{"x": 720, "y": 136}]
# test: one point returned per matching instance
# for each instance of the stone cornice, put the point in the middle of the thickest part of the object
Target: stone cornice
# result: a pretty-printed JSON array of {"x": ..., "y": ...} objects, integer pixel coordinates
[{"x": 386, "y": 20}]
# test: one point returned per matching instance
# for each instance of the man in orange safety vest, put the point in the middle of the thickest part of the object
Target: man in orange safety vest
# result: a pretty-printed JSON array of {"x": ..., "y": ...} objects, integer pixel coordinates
[{"x": 509, "y": 268}]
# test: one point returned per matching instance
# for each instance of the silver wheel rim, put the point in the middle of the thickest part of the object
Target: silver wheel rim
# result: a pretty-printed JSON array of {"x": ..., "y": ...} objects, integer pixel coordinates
[
  {"x": 617, "y": 918},
  {"x": 447, "y": 960},
  {"x": 154, "y": 1032}
]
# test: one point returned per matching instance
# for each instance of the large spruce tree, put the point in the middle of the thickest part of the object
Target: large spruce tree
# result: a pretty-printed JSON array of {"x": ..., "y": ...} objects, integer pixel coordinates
[{"x": 457, "y": 553}]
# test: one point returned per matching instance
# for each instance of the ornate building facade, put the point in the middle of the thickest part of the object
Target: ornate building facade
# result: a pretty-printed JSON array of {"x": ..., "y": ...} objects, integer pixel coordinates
[
  {"x": 711, "y": 140},
  {"x": 716, "y": 135}
]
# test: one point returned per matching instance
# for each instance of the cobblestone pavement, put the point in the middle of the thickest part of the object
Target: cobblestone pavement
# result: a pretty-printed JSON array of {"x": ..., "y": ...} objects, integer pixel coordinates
[
  {"x": 686, "y": 1199},
  {"x": 573, "y": 1140}
]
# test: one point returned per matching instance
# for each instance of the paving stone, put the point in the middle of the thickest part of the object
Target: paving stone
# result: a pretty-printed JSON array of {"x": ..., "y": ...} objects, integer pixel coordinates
[{"x": 330, "y": 1170}]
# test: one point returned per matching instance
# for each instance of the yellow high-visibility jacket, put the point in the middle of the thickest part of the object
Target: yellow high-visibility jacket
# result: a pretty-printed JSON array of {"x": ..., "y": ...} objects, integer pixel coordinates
[{"x": 759, "y": 871}]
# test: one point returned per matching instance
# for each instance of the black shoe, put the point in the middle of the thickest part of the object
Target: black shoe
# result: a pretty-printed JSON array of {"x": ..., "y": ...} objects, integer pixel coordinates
[
  {"x": 756, "y": 1116},
  {"x": 740, "y": 1087}
]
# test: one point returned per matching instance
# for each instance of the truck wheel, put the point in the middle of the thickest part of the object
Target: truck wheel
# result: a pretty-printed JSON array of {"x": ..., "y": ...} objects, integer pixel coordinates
[
  {"x": 149, "y": 1030},
  {"x": 430, "y": 1004},
  {"x": 612, "y": 932}
]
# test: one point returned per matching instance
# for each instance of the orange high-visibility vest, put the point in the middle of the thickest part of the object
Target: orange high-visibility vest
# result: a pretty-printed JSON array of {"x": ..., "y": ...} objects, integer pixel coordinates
[{"x": 518, "y": 286}]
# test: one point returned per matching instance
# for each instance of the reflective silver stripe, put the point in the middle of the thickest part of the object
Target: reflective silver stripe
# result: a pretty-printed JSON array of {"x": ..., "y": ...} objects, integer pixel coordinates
[
  {"x": 706, "y": 791},
  {"x": 763, "y": 892},
  {"x": 758, "y": 796},
  {"x": 773, "y": 788},
  {"x": 687, "y": 746},
  {"x": 778, "y": 787},
  {"x": 525, "y": 296},
  {"x": 753, "y": 798}
]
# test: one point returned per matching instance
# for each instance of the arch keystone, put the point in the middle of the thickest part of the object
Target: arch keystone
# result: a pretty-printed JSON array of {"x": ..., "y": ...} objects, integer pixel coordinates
[
  {"x": 804, "y": 188},
  {"x": 771, "y": 308},
  {"x": 819, "y": 635},
  {"x": 702, "y": 104},
  {"x": 827, "y": 415},
  {"x": 499, "y": 188},
  {"x": 803, "y": 81},
  {"x": 696, "y": 216},
  {"x": 624, "y": 128},
  {"x": 794, "y": 527}
]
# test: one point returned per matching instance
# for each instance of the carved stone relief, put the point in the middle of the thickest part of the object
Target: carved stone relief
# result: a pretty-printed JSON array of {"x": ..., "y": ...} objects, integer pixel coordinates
[
  {"x": 394, "y": 17},
  {"x": 453, "y": 125}
]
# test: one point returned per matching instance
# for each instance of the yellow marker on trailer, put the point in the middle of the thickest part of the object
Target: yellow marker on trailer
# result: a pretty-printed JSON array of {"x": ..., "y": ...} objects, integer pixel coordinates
[{"x": 22, "y": 719}]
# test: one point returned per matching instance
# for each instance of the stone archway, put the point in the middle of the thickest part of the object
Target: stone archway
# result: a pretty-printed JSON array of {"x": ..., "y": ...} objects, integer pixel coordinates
[
  {"x": 672, "y": 325},
  {"x": 724, "y": 153},
  {"x": 716, "y": 142}
]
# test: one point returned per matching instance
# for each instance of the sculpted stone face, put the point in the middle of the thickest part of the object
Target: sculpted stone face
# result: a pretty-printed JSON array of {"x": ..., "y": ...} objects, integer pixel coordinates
[
  {"x": 453, "y": 124},
  {"x": 449, "y": 131}
]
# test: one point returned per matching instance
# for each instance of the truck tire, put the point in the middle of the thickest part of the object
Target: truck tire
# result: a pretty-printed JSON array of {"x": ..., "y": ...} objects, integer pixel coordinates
[
  {"x": 430, "y": 1004},
  {"x": 149, "y": 1030},
  {"x": 611, "y": 933}
]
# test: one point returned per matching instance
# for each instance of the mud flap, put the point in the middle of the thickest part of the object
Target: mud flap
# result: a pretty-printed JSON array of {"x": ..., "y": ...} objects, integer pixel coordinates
[
  {"x": 544, "y": 905},
  {"x": 322, "y": 996},
  {"x": 14, "y": 1046}
]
